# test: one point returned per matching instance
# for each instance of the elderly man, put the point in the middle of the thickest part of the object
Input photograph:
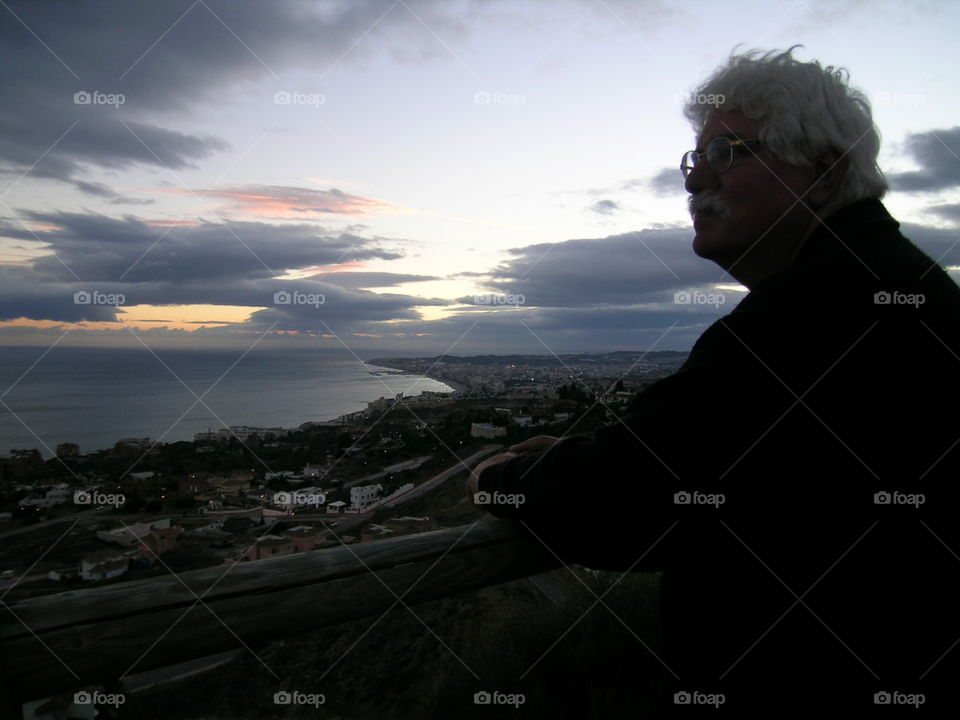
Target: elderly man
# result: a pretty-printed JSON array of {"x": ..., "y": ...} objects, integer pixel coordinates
[{"x": 796, "y": 479}]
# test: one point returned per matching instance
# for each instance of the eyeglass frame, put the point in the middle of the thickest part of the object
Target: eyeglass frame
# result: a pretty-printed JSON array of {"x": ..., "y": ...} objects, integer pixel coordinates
[{"x": 731, "y": 144}]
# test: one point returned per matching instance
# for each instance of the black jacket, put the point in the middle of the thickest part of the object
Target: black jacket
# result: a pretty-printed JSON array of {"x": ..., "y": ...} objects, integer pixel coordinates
[{"x": 811, "y": 397}]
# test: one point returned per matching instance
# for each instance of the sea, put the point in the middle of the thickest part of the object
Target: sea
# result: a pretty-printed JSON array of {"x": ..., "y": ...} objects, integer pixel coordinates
[{"x": 95, "y": 396}]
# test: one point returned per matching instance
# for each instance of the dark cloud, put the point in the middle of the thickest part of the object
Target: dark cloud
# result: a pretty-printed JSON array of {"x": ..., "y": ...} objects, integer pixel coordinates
[
  {"x": 228, "y": 263},
  {"x": 98, "y": 248},
  {"x": 361, "y": 280},
  {"x": 937, "y": 153},
  {"x": 108, "y": 193},
  {"x": 621, "y": 291},
  {"x": 575, "y": 294},
  {"x": 348, "y": 310},
  {"x": 544, "y": 330},
  {"x": 605, "y": 207},
  {"x": 950, "y": 211},
  {"x": 95, "y": 139},
  {"x": 941, "y": 244},
  {"x": 627, "y": 269},
  {"x": 668, "y": 181},
  {"x": 24, "y": 295},
  {"x": 165, "y": 59},
  {"x": 292, "y": 304}
]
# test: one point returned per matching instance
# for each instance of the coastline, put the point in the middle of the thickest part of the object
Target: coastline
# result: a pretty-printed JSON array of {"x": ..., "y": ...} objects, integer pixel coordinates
[
  {"x": 455, "y": 387},
  {"x": 109, "y": 396}
]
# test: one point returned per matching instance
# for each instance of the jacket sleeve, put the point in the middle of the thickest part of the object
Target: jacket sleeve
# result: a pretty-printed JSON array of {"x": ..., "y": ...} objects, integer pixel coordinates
[{"x": 608, "y": 500}]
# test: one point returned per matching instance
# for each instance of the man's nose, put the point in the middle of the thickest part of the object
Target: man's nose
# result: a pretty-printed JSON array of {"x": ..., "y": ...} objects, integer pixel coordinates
[{"x": 701, "y": 178}]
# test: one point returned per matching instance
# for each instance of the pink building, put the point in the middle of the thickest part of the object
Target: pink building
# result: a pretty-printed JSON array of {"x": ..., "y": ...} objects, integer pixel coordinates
[
  {"x": 156, "y": 542},
  {"x": 304, "y": 537},
  {"x": 269, "y": 546}
]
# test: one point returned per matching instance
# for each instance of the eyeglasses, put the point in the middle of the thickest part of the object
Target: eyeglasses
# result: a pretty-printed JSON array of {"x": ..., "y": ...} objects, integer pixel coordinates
[{"x": 719, "y": 154}]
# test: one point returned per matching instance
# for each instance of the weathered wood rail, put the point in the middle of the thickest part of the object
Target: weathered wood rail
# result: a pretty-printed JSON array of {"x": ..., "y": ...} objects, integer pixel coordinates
[{"x": 58, "y": 643}]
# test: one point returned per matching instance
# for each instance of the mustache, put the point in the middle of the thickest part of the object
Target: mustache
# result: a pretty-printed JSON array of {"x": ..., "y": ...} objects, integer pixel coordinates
[{"x": 708, "y": 201}]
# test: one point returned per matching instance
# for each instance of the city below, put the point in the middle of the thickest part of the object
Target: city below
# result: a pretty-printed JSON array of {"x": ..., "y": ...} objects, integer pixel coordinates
[{"x": 244, "y": 494}]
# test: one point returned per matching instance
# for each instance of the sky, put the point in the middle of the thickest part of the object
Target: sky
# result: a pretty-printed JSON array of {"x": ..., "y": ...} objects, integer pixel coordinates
[{"x": 418, "y": 176}]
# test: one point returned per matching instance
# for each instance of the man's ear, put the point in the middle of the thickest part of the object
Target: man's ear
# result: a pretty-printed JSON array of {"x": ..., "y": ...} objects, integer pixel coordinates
[{"x": 829, "y": 171}]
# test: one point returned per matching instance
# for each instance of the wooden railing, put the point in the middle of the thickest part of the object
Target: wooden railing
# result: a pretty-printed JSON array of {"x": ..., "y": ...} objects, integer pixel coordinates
[{"x": 58, "y": 643}]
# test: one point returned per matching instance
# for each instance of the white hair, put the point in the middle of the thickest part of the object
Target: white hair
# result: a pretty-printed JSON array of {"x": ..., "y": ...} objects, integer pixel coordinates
[{"x": 804, "y": 110}]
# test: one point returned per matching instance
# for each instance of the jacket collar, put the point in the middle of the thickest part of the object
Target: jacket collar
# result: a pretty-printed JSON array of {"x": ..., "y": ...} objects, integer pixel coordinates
[{"x": 838, "y": 232}]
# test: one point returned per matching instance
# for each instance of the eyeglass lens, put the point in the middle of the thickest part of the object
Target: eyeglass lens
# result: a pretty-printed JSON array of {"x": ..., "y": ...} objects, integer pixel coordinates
[{"x": 719, "y": 154}]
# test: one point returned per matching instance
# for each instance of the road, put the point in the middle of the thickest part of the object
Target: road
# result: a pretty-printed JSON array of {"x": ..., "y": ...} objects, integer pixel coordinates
[
  {"x": 346, "y": 518},
  {"x": 484, "y": 452},
  {"x": 406, "y": 465},
  {"x": 45, "y": 523},
  {"x": 7, "y": 584}
]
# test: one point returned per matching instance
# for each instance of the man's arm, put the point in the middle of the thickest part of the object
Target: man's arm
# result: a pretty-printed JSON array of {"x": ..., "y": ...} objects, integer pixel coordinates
[
  {"x": 531, "y": 445},
  {"x": 604, "y": 500},
  {"x": 584, "y": 508}
]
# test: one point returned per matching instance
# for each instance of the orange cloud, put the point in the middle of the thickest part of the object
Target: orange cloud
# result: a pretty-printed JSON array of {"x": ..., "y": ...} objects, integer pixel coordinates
[
  {"x": 284, "y": 201},
  {"x": 327, "y": 269},
  {"x": 147, "y": 317}
]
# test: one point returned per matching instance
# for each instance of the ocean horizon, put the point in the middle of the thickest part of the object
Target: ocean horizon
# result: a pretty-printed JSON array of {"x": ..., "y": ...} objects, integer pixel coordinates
[{"x": 96, "y": 396}]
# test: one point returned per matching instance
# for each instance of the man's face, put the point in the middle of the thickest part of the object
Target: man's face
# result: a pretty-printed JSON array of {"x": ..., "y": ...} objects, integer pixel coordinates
[{"x": 759, "y": 194}]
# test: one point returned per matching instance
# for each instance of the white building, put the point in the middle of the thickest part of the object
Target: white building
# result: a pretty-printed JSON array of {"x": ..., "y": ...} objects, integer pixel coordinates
[
  {"x": 129, "y": 535},
  {"x": 103, "y": 565},
  {"x": 243, "y": 433},
  {"x": 363, "y": 495},
  {"x": 57, "y": 495},
  {"x": 486, "y": 430}
]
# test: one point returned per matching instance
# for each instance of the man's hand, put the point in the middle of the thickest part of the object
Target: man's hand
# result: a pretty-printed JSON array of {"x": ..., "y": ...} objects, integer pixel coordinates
[
  {"x": 473, "y": 481},
  {"x": 532, "y": 445}
]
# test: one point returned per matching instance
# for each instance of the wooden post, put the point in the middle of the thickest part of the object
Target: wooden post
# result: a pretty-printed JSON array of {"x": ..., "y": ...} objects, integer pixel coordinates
[{"x": 73, "y": 638}]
